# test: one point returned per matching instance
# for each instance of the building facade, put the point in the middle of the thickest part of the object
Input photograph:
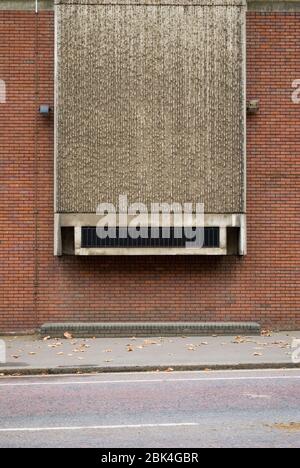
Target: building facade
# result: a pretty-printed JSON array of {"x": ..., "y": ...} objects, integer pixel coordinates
[{"x": 38, "y": 286}]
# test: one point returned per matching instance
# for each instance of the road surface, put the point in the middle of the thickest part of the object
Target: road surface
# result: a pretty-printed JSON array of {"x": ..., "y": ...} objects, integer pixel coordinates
[{"x": 170, "y": 409}]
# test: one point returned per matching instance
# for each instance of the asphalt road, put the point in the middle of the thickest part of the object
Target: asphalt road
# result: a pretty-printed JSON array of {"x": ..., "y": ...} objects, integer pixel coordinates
[{"x": 182, "y": 410}]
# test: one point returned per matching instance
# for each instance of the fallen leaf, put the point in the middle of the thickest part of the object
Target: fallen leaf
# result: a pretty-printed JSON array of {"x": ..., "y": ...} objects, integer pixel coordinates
[
  {"x": 204, "y": 343},
  {"x": 257, "y": 354},
  {"x": 129, "y": 348},
  {"x": 31, "y": 353},
  {"x": 46, "y": 338},
  {"x": 191, "y": 348},
  {"x": 68, "y": 336},
  {"x": 59, "y": 354},
  {"x": 239, "y": 340},
  {"x": 15, "y": 356},
  {"x": 266, "y": 333},
  {"x": 170, "y": 369}
]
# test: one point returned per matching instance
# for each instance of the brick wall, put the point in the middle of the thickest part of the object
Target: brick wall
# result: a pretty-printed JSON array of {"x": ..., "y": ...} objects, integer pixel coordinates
[{"x": 37, "y": 287}]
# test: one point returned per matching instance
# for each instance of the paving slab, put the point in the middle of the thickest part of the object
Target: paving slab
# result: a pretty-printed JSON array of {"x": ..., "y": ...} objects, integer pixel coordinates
[{"x": 33, "y": 355}]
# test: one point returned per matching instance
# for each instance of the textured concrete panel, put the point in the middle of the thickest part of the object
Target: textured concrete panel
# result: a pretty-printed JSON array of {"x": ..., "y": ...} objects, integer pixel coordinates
[
  {"x": 150, "y": 103},
  {"x": 153, "y": 2}
]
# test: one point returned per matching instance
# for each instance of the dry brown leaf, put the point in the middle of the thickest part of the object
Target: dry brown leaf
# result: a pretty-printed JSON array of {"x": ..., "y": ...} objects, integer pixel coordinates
[
  {"x": 47, "y": 338},
  {"x": 60, "y": 354},
  {"x": 32, "y": 353},
  {"x": 191, "y": 348},
  {"x": 15, "y": 356},
  {"x": 257, "y": 354},
  {"x": 170, "y": 369},
  {"x": 68, "y": 336},
  {"x": 204, "y": 343},
  {"x": 129, "y": 348},
  {"x": 239, "y": 340},
  {"x": 266, "y": 333}
]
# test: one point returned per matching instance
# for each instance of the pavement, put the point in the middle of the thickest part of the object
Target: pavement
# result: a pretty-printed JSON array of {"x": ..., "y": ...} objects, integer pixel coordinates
[
  {"x": 32, "y": 355},
  {"x": 157, "y": 410}
]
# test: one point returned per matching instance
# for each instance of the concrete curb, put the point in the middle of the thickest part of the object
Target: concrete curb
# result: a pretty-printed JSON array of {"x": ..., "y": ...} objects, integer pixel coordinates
[
  {"x": 147, "y": 329},
  {"x": 123, "y": 369}
]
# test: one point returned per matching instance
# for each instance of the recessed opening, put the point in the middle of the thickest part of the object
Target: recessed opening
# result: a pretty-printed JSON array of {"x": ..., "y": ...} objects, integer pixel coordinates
[{"x": 162, "y": 238}]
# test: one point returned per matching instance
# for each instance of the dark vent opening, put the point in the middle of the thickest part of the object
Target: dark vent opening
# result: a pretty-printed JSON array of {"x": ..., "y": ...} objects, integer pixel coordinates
[
  {"x": 90, "y": 239},
  {"x": 67, "y": 240}
]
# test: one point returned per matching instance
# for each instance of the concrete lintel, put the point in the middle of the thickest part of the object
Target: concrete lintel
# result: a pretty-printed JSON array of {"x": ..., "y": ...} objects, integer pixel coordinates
[
  {"x": 149, "y": 251},
  {"x": 210, "y": 219}
]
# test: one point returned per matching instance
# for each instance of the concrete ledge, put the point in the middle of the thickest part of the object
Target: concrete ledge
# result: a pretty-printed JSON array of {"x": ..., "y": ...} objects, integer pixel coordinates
[
  {"x": 253, "y": 5},
  {"x": 128, "y": 329}
]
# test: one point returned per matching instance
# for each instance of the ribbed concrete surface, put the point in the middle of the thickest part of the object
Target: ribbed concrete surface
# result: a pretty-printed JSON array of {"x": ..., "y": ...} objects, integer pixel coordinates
[
  {"x": 150, "y": 103},
  {"x": 149, "y": 329}
]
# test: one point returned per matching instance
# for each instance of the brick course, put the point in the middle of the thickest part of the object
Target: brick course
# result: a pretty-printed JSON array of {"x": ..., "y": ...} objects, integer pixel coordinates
[{"x": 37, "y": 287}]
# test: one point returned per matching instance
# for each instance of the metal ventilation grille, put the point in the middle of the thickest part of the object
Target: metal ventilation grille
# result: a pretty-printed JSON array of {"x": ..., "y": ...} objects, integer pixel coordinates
[{"x": 90, "y": 240}]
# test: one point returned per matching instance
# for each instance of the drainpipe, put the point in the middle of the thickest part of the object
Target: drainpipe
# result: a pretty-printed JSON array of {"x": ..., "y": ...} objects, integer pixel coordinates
[{"x": 36, "y": 213}]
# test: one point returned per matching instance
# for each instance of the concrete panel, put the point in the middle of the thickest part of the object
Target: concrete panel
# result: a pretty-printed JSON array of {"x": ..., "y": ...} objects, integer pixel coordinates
[
  {"x": 150, "y": 103},
  {"x": 253, "y": 5}
]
